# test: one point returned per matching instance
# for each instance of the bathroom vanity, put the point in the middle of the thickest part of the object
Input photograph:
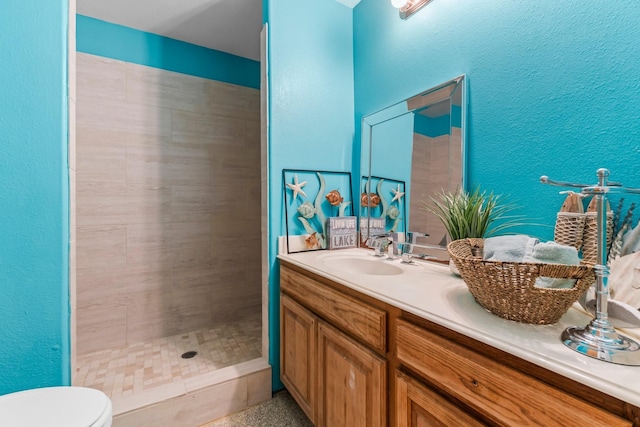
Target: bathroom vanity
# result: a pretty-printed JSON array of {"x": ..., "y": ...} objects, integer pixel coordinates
[{"x": 385, "y": 343}]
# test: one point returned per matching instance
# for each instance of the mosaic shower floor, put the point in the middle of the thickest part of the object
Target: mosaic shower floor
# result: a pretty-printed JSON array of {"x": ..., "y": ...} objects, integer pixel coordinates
[{"x": 156, "y": 364}]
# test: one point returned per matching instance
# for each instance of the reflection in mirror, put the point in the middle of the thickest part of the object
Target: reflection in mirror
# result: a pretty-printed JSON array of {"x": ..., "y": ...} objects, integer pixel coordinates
[{"x": 419, "y": 142}]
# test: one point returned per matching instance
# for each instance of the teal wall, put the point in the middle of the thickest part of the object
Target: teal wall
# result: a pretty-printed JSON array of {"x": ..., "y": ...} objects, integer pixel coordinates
[
  {"x": 127, "y": 44},
  {"x": 310, "y": 111},
  {"x": 553, "y": 86},
  {"x": 34, "y": 196}
]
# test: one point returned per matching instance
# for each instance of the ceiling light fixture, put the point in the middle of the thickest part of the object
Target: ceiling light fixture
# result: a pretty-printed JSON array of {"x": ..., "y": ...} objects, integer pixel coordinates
[{"x": 409, "y": 7}]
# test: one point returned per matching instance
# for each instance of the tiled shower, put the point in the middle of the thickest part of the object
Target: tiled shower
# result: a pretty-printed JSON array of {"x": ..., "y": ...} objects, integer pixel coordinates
[{"x": 168, "y": 217}]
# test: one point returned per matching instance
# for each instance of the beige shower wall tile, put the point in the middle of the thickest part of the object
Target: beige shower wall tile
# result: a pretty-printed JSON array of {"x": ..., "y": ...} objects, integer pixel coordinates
[
  {"x": 106, "y": 203},
  {"x": 116, "y": 284},
  {"x": 233, "y": 200},
  {"x": 101, "y": 327},
  {"x": 252, "y": 133},
  {"x": 455, "y": 166},
  {"x": 189, "y": 276},
  {"x": 168, "y": 164},
  {"x": 127, "y": 138},
  {"x": 236, "y": 164},
  {"x": 192, "y": 203},
  {"x": 100, "y": 246},
  {"x": 228, "y": 299},
  {"x": 100, "y": 77},
  {"x": 183, "y": 166},
  {"x": 200, "y": 128},
  {"x": 227, "y": 231},
  {"x": 161, "y": 88},
  {"x": 192, "y": 243},
  {"x": 148, "y": 243},
  {"x": 234, "y": 101},
  {"x": 157, "y": 314},
  {"x": 192, "y": 266},
  {"x": 210, "y": 267},
  {"x": 193, "y": 233},
  {"x": 120, "y": 116},
  {"x": 101, "y": 160}
]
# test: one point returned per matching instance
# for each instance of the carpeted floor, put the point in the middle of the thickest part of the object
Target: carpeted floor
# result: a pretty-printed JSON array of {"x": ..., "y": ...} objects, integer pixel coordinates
[{"x": 281, "y": 411}]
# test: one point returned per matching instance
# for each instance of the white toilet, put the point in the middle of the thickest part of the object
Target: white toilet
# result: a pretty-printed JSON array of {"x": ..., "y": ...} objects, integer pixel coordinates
[{"x": 56, "y": 407}]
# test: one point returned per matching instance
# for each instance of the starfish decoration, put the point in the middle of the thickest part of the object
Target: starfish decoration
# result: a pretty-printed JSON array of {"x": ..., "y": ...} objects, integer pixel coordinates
[
  {"x": 397, "y": 194},
  {"x": 296, "y": 187}
]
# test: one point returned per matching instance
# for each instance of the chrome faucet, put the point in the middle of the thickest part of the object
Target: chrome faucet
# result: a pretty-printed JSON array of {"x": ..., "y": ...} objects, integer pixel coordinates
[
  {"x": 380, "y": 242},
  {"x": 408, "y": 247}
]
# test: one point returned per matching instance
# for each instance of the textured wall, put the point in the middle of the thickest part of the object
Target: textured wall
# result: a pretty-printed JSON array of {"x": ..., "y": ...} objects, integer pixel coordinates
[
  {"x": 310, "y": 110},
  {"x": 34, "y": 232},
  {"x": 168, "y": 211},
  {"x": 552, "y": 86}
]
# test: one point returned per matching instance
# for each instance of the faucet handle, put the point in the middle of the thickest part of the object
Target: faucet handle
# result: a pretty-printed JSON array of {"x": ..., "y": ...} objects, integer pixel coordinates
[{"x": 412, "y": 236}]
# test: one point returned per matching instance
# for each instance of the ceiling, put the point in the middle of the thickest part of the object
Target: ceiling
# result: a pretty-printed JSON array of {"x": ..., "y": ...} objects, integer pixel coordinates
[{"x": 231, "y": 26}]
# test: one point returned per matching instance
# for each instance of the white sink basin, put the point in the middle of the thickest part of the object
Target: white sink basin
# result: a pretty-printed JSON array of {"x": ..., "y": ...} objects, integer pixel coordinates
[{"x": 353, "y": 264}]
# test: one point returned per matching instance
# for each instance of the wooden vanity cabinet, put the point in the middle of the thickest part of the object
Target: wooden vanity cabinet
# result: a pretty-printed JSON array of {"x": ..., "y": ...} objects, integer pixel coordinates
[
  {"x": 351, "y": 360},
  {"x": 497, "y": 394},
  {"x": 328, "y": 343}
]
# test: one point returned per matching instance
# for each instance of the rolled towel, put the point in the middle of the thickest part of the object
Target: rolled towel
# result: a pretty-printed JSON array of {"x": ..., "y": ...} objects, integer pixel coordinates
[
  {"x": 508, "y": 248},
  {"x": 553, "y": 253}
]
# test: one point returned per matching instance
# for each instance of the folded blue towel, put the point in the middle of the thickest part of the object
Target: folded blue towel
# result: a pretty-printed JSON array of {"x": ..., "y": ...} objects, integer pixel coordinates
[
  {"x": 554, "y": 253},
  {"x": 508, "y": 248},
  {"x": 522, "y": 248}
]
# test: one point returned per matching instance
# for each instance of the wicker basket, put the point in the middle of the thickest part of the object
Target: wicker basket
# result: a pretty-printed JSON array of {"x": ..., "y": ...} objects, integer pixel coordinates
[
  {"x": 569, "y": 229},
  {"x": 590, "y": 243},
  {"x": 507, "y": 289}
]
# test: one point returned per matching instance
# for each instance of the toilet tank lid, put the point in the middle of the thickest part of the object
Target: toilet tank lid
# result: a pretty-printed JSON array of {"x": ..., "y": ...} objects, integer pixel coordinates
[{"x": 53, "y": 407}]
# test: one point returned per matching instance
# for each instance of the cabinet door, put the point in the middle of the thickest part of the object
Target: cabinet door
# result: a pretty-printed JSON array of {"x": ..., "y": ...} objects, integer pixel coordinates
[
  {"x": 351, "y": 382},
  {"x": 419, "y": 406},
  {"x": 298, "y": 353}
]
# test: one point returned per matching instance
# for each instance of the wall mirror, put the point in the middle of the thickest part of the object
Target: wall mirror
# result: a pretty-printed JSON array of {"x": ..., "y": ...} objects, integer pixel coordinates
[{"x": 416, "y": 148}]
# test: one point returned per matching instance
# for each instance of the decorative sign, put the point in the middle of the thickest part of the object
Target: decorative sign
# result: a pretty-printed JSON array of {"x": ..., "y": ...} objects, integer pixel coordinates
[
  {"x": 341, "y": 232},
  {"x": 371, "y": 226}
]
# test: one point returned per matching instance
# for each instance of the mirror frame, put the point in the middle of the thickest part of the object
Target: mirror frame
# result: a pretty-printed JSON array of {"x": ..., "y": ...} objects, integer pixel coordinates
[{"x": 410, "y": 105}]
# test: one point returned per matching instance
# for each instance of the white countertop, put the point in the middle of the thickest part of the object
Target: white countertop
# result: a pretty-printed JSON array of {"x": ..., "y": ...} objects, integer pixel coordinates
[{"x": 432, "y": 292}]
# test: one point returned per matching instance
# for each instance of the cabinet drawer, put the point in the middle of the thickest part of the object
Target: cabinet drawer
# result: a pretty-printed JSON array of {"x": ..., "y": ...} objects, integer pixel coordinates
[
  {"x": 417, "y": 405},
  {"x": 355, "y": 317},
  {"x": 506, "y": 397}
]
